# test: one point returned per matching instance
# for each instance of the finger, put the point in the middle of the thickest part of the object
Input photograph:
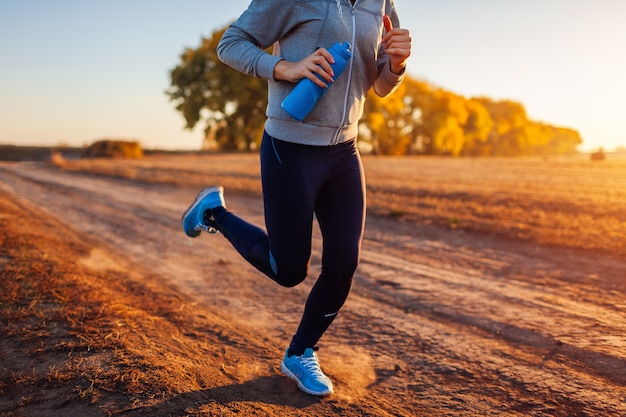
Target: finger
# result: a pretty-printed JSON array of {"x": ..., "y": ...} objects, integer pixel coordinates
[
  {"x": 322, "y": 60},
  {"x": 317, "y": 71},
  {"x": 328, "y": 70},
  {"x": 399, "y": 38},
  {"x": 387, "y": 23},
  {"x": 324, "y": 52},
  {"x": 388, "y": 28},
  {"x": 317, "y": 80},
  {"x": 399, "y": 53},
  {"x": 400, "y": 49}
]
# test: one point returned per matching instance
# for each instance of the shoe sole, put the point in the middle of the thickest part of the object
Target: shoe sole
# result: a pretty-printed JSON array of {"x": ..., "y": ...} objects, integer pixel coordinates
[
  {"x": 203, "y": 193},
  {"x": 291, "y": 375}
]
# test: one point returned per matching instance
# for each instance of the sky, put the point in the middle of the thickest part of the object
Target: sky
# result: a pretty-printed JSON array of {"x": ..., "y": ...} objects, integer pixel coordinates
[{"x": 74, "y": 71}]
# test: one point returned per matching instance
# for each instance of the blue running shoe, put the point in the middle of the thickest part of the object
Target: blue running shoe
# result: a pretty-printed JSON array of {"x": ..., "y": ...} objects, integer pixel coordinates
[
  {"x": 306, "y": 371},
  {"x": 193, "y": 218}
]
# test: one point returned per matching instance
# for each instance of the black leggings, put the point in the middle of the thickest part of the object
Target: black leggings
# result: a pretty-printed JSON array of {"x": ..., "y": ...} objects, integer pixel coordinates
[{"x": 300, "y": 181}]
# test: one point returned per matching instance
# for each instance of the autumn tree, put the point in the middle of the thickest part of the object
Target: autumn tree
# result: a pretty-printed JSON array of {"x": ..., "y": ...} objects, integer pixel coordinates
[
  {"x": 562, "y": 141},
  {"x": 513, "y": 134},
  {"x": 476, "y": 130},
  {"x": 417, "y": 118},
  {"x": 230, "y": 104},
  {"x": 389, "y": 122},
  {"x": 394, "y": 125}
]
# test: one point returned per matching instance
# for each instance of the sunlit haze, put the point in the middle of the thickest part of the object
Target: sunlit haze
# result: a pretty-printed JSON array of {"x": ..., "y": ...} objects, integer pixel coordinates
[{"x": 74, "y": 71}]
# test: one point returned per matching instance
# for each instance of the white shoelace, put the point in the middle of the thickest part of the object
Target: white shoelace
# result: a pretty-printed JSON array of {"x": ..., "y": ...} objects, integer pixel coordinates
[{"x": 311, "y": 365}]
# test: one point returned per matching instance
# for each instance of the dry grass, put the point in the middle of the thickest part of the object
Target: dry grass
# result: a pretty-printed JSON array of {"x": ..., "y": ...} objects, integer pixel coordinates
[
  {"x": 73, "y": 336},
  {"x": 566, "y": 201},
  {"x": 116, "y": 340},
  {"x": 571, "y": 202}
]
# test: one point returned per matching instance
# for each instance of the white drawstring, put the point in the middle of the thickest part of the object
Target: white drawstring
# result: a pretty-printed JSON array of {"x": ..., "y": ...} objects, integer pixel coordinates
[{"x": 340, "y": 9}]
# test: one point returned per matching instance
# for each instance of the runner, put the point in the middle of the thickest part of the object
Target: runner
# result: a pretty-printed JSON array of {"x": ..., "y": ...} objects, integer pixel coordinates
[{"x": 308, "y": 168}]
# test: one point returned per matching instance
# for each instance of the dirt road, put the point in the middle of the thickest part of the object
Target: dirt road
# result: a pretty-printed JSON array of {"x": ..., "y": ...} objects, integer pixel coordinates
[{"x": 439, "y": 322}]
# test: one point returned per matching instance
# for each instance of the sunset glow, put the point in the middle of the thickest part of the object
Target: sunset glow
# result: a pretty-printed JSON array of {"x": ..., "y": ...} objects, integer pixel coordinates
[{"x": 73, "y": 72}]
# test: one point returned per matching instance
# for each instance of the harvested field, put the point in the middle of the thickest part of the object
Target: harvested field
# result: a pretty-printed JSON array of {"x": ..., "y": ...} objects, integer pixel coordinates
[{"x": 487, "y": 287}]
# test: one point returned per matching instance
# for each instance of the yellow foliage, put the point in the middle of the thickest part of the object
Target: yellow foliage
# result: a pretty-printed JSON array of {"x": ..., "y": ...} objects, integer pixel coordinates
[{"x": 418, "y": 117}]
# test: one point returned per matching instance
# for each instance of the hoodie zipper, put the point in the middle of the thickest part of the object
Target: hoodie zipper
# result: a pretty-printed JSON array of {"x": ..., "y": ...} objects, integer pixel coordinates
[{"x": 347, "y": 96}]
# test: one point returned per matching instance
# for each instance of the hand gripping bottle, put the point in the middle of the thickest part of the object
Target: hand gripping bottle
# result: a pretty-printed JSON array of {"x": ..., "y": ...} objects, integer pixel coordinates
[{"x": 305, "y": 94}]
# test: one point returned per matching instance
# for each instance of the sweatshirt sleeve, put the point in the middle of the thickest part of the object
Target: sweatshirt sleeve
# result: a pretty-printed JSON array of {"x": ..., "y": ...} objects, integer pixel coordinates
[
  {"x": 244, "y": 43},
  {"x": 387, "y": 82}
]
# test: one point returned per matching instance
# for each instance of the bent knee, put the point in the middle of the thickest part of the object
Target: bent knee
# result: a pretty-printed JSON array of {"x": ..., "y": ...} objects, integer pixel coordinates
[{"x": 290, "y": 277}]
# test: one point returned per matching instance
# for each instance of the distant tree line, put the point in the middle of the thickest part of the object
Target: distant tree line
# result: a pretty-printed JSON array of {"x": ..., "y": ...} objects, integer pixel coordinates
[
  {"x": 418, "y": 119},
  {"x": 113, "y": 148}
]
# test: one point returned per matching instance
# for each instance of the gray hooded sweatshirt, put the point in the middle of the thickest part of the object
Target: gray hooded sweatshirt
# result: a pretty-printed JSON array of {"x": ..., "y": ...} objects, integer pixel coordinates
[{"x": 296, "y": 28}]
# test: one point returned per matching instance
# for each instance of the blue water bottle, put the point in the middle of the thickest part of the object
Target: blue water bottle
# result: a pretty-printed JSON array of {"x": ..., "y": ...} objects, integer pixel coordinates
[{"x": 305, "y": 94}]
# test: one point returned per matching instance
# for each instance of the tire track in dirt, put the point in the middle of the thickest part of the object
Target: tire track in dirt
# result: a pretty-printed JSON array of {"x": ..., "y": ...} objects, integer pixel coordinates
[
  {"x": 480, "y": 345},
  {"x": 425, "y": 331},
  {"x": 473, "y": 294},
  {"x": 139, "y": 222},
  {"x": 530, "y": 328}
]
